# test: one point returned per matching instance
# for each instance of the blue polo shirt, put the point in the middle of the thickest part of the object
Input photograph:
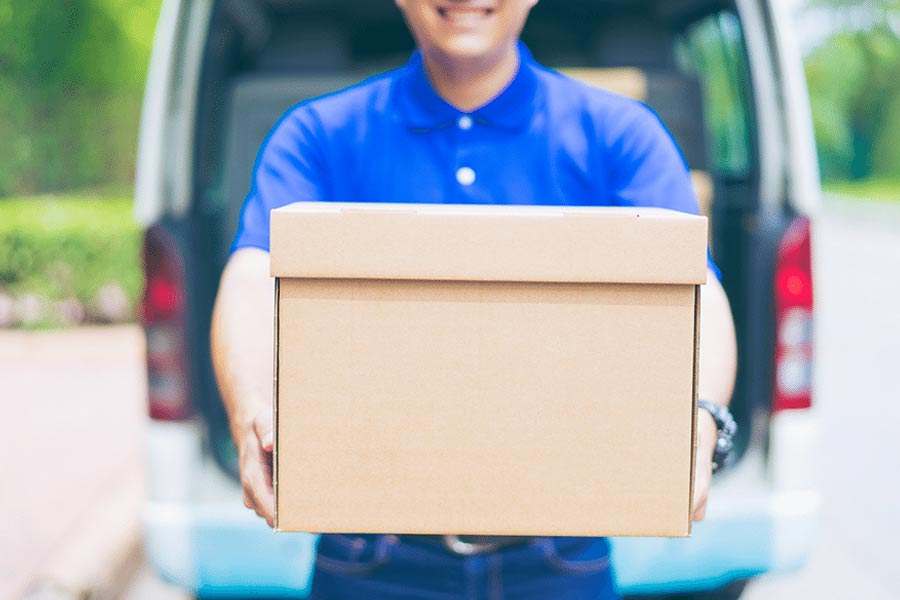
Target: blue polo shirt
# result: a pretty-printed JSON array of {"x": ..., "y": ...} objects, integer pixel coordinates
[{"x": 545, "y": 139}]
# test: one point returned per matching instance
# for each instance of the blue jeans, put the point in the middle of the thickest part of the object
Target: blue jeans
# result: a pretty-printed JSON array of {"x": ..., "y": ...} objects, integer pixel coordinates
[{"x": 381, "y": 567}]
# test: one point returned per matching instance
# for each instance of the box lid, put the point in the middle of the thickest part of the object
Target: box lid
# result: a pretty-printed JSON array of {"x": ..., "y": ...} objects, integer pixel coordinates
[{"x": 488, "y": 243}]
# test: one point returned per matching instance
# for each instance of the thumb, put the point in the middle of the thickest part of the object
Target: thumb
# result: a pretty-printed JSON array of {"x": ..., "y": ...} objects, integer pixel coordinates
[{"x": 262, "y": 426}]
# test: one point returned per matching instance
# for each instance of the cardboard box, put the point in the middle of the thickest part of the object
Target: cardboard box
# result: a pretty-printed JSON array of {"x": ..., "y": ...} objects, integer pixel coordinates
[{"x": 491, "y": 370}]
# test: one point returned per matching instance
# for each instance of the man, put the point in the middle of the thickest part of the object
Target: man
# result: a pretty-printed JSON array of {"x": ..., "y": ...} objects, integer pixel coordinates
[{"x": 471, "y": 118}]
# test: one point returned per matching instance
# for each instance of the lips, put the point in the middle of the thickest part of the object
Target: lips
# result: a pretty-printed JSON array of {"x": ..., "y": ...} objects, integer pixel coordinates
[{"x": 465, "y": 13}]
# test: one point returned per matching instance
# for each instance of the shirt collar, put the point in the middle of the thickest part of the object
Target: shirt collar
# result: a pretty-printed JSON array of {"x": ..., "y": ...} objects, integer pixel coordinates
[{"x": 421, "y": 107}]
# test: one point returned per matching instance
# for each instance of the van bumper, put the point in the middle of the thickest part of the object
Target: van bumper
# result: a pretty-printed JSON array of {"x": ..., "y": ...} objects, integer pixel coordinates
[
  {"x": 771, "y": 533},
  {"x": 216, "y": 551}
]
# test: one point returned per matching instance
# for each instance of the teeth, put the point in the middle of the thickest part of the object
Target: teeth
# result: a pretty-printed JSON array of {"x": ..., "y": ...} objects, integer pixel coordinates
[{"x": 464, "y": 11}]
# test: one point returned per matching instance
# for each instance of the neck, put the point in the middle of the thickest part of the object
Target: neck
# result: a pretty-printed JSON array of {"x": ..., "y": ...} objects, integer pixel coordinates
[{"x": 470, "y": 84}]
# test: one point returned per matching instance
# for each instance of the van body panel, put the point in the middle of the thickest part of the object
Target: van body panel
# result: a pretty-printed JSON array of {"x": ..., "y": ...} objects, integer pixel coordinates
[
  {"x": 166, "y": 139},
  {"x": 149, "y": 204},
  {"x": 769, "y": 130},
  {"x": 185, "y": 106},
  {"x": 802, "y": 164}
]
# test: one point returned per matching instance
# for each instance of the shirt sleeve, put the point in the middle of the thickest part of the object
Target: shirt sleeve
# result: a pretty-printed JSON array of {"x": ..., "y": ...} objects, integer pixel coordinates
[
  {"x": 289, "y": 168},
  {"x": 649, "y": 169}
]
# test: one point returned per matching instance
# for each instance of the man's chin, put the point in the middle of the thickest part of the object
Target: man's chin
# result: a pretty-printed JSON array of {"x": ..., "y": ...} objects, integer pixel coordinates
[{"x": 466, "y": 48}]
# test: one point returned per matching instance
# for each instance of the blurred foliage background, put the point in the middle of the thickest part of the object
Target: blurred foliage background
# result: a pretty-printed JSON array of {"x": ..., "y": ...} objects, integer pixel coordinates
[
  {"x": 71, "y": 85},
  {"x": 854, "y": 82},
  {"x": 71, "y": 82}
]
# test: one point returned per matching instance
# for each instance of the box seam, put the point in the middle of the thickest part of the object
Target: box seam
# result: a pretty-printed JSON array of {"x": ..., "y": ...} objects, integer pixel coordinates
[
  {"x": 694, "y": 393},
  {"x": 275, "y": 402}
]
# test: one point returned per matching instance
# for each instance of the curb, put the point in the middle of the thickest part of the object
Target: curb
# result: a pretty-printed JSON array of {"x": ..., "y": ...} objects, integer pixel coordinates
[{"x": 101, "y": 553}]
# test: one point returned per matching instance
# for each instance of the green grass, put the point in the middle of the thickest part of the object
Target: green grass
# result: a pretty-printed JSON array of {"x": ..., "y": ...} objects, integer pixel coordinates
[
  {"x": 66, "y": 249},
  {"x": 883, "y": 190}
]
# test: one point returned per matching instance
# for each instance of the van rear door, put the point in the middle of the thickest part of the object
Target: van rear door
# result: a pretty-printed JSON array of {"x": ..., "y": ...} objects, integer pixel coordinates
[{"x": 165, "y": 143}]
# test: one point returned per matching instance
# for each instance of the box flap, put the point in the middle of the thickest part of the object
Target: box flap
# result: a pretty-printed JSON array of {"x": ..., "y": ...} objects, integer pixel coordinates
[{"x": 488, "y": 243}]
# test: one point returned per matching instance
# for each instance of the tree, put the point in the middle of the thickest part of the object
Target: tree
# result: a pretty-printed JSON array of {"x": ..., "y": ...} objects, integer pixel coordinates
[
  {"x": 856, "y": 91},
  {"x": 71, "y": 74},
  {"x": 880, "y": 10}
]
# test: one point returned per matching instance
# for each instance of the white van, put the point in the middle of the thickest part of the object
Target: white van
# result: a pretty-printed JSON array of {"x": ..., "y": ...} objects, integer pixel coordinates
[{"x": 722, "y": 74}]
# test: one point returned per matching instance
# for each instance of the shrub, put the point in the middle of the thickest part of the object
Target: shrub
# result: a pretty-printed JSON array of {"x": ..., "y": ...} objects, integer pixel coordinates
[{"x": 60, "y": 257}]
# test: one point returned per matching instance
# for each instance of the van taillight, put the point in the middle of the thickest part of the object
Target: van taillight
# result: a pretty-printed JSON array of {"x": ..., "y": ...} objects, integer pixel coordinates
[
  {"x": 162, "y": 314},
  {"x": 794, "y": 319}
]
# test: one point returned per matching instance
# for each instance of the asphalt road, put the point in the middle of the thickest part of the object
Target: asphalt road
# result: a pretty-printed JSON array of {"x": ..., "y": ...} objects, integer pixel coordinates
[
  {"x": 857, "y": 250},
  {"x": 73, "y": 413}
]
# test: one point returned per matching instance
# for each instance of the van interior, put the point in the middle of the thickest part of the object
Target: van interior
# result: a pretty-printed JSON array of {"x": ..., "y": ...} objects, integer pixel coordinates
[{"x": 684, "y": 58}]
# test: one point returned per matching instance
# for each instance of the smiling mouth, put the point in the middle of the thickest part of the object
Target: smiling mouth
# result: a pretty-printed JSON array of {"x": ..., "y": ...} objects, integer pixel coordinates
[{"x": 463, "y": 12}]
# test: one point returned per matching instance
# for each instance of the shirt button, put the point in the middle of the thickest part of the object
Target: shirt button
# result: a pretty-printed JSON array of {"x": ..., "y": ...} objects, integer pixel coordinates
[
  {"x": 465, "y": 122},
  {"x": 465, "y": 176}
]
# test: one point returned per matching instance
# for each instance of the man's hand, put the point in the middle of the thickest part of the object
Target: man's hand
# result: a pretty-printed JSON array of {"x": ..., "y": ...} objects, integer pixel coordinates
[
  {"x": 706, "y": 444},
  {"x": 255, "y": 454}
]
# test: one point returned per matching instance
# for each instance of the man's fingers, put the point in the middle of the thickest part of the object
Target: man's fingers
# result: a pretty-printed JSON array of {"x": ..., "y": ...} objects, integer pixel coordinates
[
  {"x": 256, "y": 468},
  {"x": 256, "y": 479},
  {"x": 701, "y": 487},
  {"x": 261, "y": 499},
  {"x": 702, "y": 481},
  {"x": 701, "y": 496},
  {"x": 262, "y": 426},
  {"x": 264, "y": 502},
  {"x": 700, "y": 512}
]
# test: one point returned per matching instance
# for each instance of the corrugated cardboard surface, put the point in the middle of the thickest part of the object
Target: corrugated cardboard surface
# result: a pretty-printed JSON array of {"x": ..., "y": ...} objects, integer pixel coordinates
[
  {"x": 488, "y": 243},
  {"x": 483, "y": 407}
]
